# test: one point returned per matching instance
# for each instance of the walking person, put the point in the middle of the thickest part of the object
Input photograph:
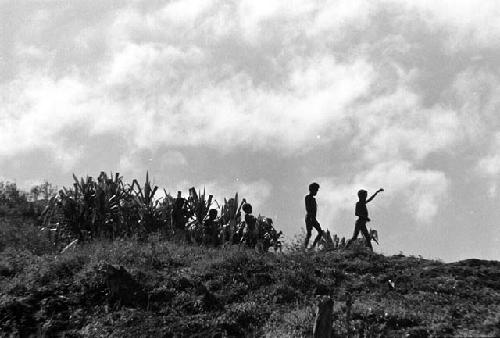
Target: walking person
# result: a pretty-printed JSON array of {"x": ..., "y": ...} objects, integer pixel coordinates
[
  {"x": 361, "y": 211},
  {"x": 311, "y": 210}
]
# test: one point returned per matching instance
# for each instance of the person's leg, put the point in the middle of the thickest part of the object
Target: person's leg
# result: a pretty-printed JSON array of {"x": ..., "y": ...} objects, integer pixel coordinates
[
  {"x": 320, "y": 233},
  {"x": 366, "y": 234},
  {"x": 355, "y": 234},
  {"x": 308, "y": 234}
]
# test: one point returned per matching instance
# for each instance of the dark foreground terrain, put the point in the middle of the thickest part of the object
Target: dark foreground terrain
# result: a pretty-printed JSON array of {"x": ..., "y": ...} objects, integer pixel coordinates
[{"x": 157, "y": 288}]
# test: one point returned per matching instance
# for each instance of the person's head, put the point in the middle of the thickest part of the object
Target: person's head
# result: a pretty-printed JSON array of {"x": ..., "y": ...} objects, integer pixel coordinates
[
  {"x": 362, "y": 194},
  {"x": 313, "y": 188},
  {"x": 247, "y": 208},
  {"x": 179, "y": 194},
  {"x": 212, "y": 214},
  {"x": 192, "y": 192}
]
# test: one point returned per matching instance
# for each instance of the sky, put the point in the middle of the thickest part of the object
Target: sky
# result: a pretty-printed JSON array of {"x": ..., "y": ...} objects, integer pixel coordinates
[{"x": 265, "y": 97}]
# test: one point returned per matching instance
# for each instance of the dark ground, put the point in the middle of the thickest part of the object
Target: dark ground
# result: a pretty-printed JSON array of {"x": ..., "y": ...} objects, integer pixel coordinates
[{"x": 167, "y": 289}]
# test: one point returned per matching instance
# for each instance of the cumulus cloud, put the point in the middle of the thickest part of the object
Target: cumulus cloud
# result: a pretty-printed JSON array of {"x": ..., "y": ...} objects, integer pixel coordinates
[
  {"x": 397, "y": 126},
  {"x": 476, "y": 93},
  {"x": 162, "y": 91},
  {"x": 489, "y": 167},
  {"x": 151, "y": 81},
  {"x": 469, "y": 23},
  {"x": 490, "y": 164}
]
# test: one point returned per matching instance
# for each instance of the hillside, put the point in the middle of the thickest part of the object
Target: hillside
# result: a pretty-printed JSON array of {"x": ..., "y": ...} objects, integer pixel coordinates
[{"x": 168, "y": 289}]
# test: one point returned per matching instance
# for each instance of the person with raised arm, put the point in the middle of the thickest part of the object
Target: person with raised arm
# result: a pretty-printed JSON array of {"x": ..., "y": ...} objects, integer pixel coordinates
[{"x": 361, "y": 211}]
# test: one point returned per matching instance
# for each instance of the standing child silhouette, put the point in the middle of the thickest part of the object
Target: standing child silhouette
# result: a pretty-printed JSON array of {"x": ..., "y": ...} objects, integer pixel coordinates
[
  {"x": 362, "y": 212},
  {"x": 311, "y": 209}
]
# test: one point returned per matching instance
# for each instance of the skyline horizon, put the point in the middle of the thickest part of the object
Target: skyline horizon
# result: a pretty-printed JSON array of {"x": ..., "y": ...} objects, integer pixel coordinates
[{"x": 288, "y": 237}]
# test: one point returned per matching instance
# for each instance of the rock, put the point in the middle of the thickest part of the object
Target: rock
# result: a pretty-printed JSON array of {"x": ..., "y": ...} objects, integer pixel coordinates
[
  {"x": 322, "y": 290},
  {"x": 52, "y": 327},
  {"x": 210, "y": 302},
  {"x": 122, "y": 287},
  {"x": 184, "y": 283}
]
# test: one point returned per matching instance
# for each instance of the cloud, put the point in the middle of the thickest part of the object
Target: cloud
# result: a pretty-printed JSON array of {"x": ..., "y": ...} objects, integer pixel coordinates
[
  {"x": 489, "y": 167},
  {"x": 163, "y": 92},
  {"x": 396, "y": 126},
  {"x": 476, "y": 93},
  {"x": 469, "y": 23},
  {"x": 158, "y": 89},
  {"x": 490, "y": 164}
]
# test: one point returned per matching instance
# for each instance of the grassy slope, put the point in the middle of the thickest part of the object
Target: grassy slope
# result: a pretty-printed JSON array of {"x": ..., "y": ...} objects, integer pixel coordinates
[{"x": 215, "y": 292}]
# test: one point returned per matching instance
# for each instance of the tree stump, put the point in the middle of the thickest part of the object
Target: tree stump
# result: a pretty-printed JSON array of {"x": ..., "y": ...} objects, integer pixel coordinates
[
  {"x": 348, "y": 305},
  {"x": 323, "y": 323}
]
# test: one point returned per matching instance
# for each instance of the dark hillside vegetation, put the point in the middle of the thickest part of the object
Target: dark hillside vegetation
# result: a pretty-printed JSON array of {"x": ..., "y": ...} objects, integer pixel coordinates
[{"x": 154, "y": 287}]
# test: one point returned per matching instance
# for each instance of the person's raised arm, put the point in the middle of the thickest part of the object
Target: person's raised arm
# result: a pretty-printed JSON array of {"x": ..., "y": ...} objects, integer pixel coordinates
[{"x": 375, "y": 194}]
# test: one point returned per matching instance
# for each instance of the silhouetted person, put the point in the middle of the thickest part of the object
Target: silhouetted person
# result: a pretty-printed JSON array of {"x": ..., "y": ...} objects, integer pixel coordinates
[
  {"x": 211, "y": 228},
  {"x": 311, "y": 209},
  {"x": 179, "y": 213},
  {"x": 362, "y": 212},
  {"x": 250, "y": 233}
]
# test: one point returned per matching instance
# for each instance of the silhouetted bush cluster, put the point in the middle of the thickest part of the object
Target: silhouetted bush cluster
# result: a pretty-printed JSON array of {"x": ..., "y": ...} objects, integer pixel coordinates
[{"x": 109, "y": 208}]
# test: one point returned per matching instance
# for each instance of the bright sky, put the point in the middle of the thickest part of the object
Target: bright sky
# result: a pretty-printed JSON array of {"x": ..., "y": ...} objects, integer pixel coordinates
[{"x": 265, "y": 97}]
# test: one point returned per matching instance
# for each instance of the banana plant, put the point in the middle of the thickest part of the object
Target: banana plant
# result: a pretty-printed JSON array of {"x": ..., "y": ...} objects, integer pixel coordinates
[
  {"x": 198, "y": 206},
  {"x": 231, "y": 218},
  {"x": 110, "y": 193},
  {"x": 148, "y": 208},
  {"x": 107, "y": 207}
]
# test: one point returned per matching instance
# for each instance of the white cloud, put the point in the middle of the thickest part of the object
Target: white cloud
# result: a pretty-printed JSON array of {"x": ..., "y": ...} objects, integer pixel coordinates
[
  {"x": 159, "y": 89},
  {"x": 332, "y": 16},
  {"x": 232, "y": 113},
  {"x": 185, "y": 12},
  {"x": 163, "y": 85},
  {"x": 396, "y": 126},
  {"x": 469, "y": 23},
  {"x": 476, "y": 92},
  {"x": 35, "y": 109},
  {"x": 253, "y": 16},
  {"x": 489, "y": 167}
]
